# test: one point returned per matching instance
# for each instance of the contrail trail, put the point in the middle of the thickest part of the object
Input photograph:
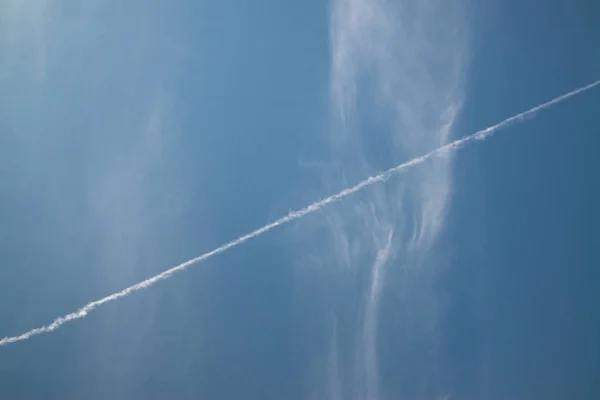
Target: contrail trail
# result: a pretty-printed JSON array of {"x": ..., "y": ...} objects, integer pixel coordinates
[{"x": 293, "y": 215}]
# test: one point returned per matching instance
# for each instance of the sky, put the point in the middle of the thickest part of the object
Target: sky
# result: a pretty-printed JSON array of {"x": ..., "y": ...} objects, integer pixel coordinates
[{"x": 136, "y": 136}]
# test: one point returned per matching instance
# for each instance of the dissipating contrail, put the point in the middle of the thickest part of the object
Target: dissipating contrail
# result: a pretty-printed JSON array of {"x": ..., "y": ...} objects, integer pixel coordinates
[{"x": 294, "y": 215}]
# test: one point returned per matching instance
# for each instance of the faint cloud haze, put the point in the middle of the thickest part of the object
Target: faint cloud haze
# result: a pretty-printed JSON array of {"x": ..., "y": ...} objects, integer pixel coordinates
[
  {"x": 23, "y": 27},
  {"x": 92, "y": 111},
  {"x": 396, "y": 87}
]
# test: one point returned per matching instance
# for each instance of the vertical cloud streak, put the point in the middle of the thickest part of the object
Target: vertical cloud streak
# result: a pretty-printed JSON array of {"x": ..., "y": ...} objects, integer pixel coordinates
[{"x": 369, "y": 334}]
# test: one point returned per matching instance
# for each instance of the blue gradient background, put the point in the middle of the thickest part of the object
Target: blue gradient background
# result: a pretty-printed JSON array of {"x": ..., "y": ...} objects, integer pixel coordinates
[{"x": 135, "y": 136}]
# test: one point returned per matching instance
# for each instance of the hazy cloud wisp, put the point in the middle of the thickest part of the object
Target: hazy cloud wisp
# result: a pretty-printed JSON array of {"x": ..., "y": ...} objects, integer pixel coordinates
[{"x": 396, "y": 89}]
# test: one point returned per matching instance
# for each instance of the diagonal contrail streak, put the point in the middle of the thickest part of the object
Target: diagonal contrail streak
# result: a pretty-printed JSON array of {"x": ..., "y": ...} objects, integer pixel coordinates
[{"x": 293, "y": 215}]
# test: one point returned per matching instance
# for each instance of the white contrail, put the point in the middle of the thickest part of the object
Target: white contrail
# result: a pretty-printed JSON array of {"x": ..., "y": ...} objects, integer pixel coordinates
[{"x": 293, "y": 215}]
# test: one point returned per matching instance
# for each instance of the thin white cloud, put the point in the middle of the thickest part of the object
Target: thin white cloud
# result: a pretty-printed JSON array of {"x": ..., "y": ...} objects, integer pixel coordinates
[
  {"x": 404, "y": 60},
  {"x": 368, "y": 375},
  {"x": 295, "y": 215},
  {"x": 130, "y": 200},
  {"x": 396, "y": 81}
]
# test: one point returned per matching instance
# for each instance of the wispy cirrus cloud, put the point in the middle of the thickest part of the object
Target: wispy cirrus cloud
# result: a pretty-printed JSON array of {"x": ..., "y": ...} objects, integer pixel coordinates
[
  {"x": 396, "y": 86},
  {"x": 401, "y": 64}
]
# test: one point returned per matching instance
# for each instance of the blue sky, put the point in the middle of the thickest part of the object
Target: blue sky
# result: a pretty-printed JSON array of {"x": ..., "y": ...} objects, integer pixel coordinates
[{"x": 134, "y": 137}]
